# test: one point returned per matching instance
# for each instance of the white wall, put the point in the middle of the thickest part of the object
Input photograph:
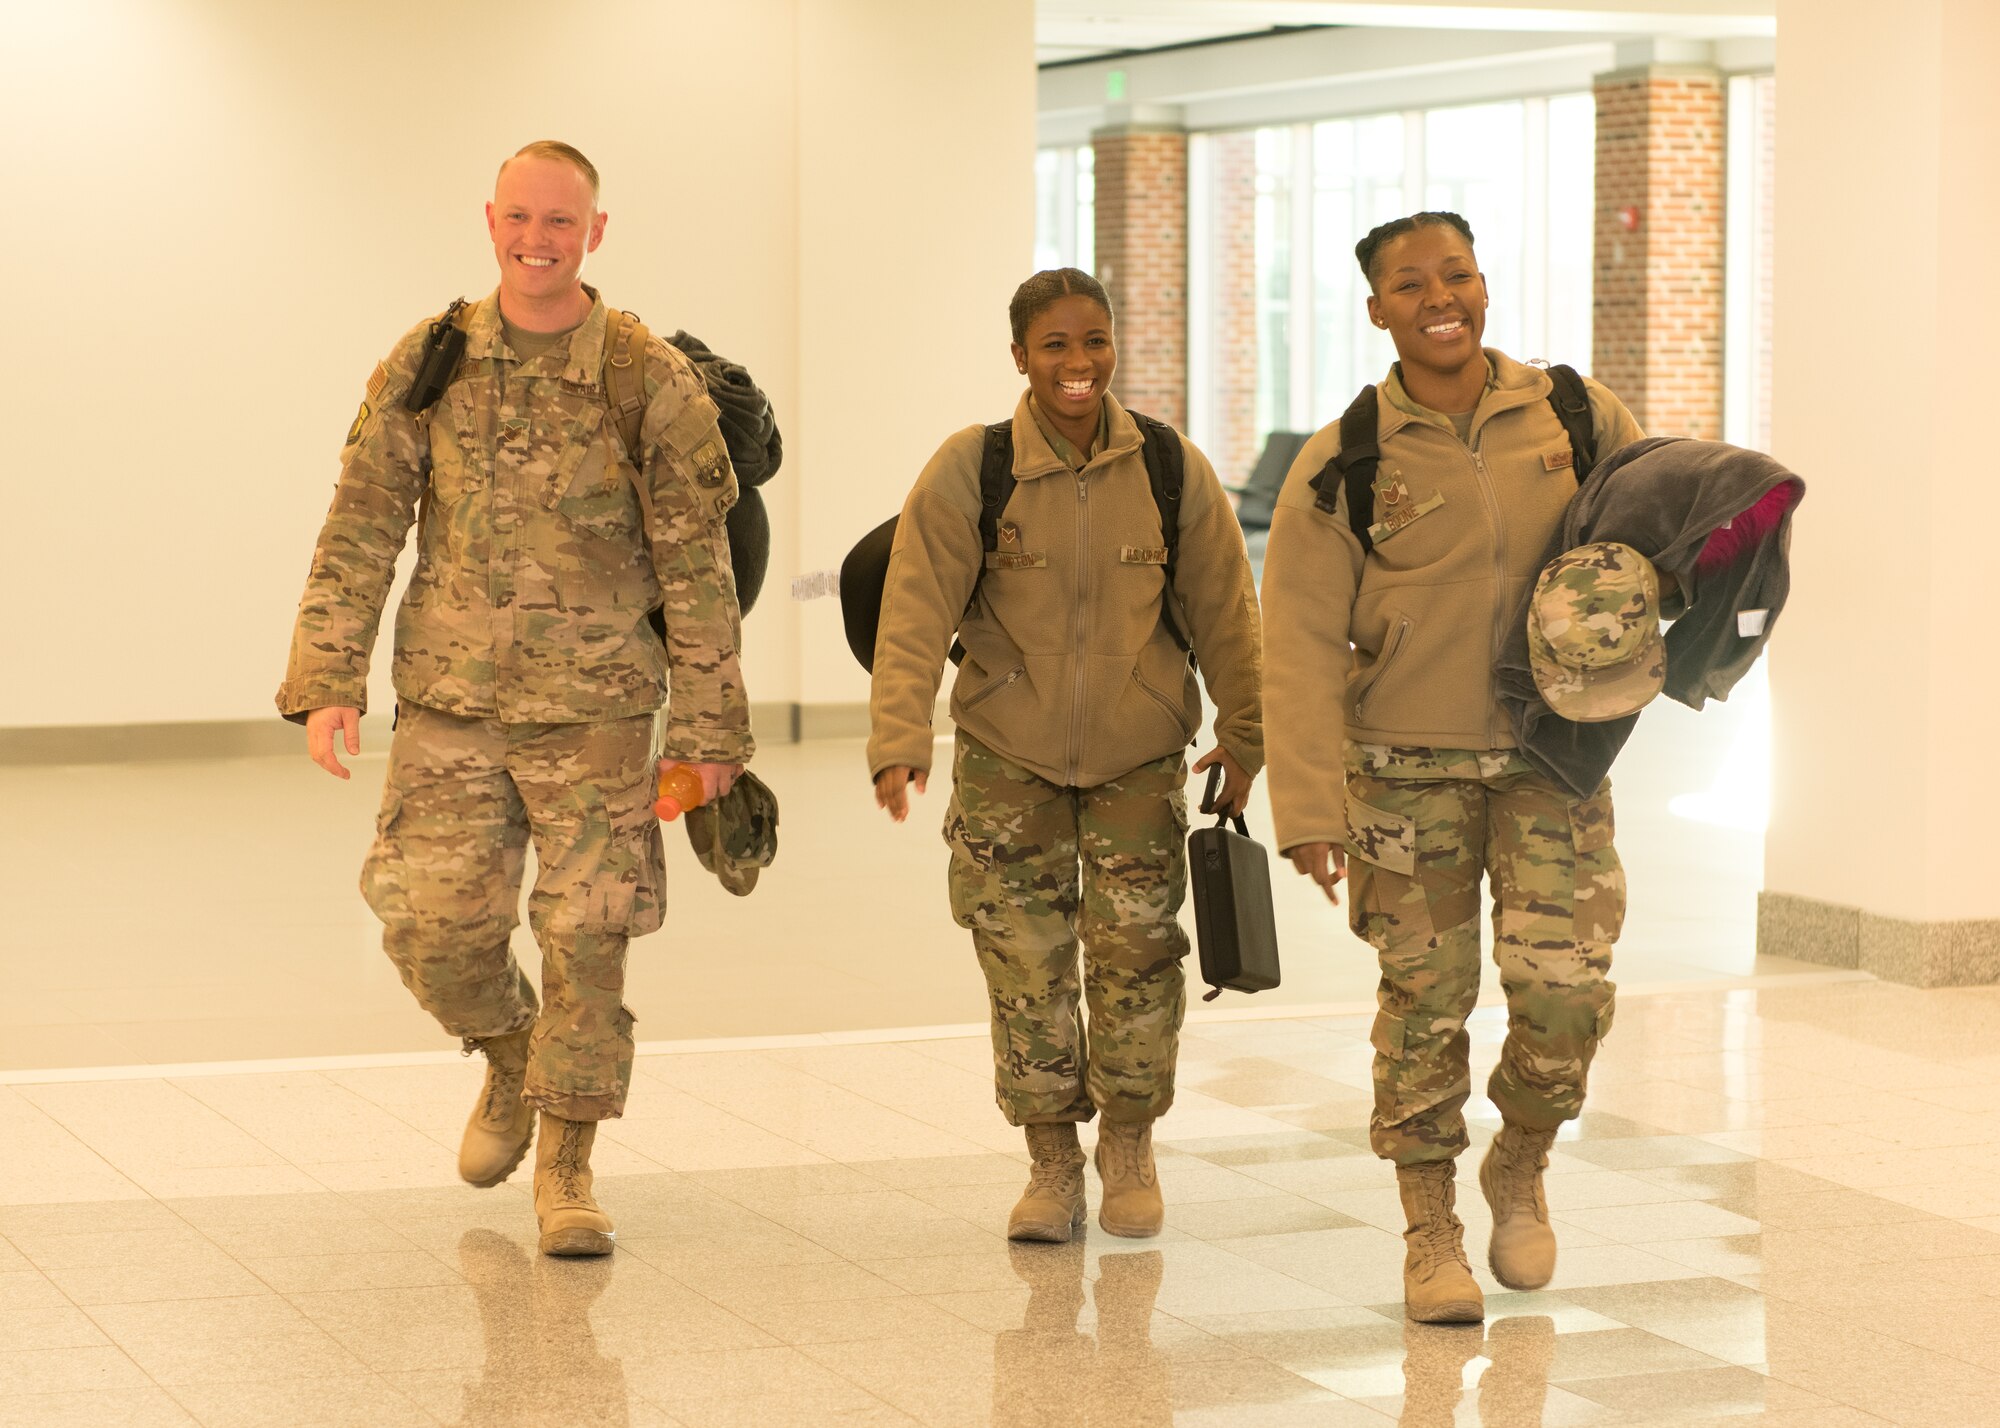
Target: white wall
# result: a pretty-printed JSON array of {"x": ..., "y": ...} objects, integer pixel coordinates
[
  {"x": 1884, "y": 689},
  {"x": 225, "y": 211},
  {"x": 917, "y": 221}
]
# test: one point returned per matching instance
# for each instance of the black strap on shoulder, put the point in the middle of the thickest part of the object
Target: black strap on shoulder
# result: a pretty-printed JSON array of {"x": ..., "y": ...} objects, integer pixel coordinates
[
  {"x": 1570, "y": 401},
  {"x": 1353, "y": 468},
  {"x": 996, "y": 483},
  {"x": 1166, "y": 471},
  {"x": 1166, "y": 466},
  {"x": 996, "y": 489}
]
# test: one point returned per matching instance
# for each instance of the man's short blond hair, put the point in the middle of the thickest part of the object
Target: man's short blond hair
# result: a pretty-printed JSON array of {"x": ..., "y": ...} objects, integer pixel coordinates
[{"x": 558, "y": 150}]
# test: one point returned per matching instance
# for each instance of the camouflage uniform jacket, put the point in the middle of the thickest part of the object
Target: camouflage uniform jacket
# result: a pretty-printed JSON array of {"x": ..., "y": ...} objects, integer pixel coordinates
[
  {"x": 533, "y": 581},
  {"x": 1397, "y": 647}
]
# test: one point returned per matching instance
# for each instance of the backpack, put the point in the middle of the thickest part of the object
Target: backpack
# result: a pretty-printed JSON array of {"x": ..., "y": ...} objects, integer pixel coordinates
[
  {"x": 866, "y": 569},
  {"x": 1353, "y": 469},
  {"x": 749, "y": 430}
]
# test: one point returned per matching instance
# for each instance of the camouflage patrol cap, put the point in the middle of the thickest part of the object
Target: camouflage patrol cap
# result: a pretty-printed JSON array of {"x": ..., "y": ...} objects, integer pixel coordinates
[
  {"x": 736, "y": 837},
  {"x": 1594, "y": 633}
]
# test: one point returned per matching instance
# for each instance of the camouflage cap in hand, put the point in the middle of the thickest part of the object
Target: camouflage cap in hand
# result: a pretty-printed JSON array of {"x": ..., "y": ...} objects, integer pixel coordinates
[
  {"x": 1594, "y": 633},
  {"x": 736, "y": 837}
]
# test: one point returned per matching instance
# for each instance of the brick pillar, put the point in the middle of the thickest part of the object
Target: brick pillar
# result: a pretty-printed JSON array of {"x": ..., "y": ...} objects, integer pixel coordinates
[
  {"x": 1233, "y": 247},
  {"x": 1661, "y": 152},
  {"x": 1142, "y": 261}
]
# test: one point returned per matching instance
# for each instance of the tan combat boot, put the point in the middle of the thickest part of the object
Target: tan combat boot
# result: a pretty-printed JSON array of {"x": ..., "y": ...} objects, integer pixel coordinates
[
  {"x": 497, "y": 1136},
  {"x": 572, "y": 1223},
  {"x": 1522, "y": 1252},
  {"x": 1438, "y": 1287},
  {"x": 1052, "y": 1206},
  {"x": 1132, "y": 1206}
]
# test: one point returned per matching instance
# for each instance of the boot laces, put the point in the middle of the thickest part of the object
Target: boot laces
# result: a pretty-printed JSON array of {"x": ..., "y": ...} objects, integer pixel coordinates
[
  {"x": 568, "y": 1165},
  {"x": 1058, "y": 1177},
  {"x": 1520, "y": 1168},
  {"x": 1123, "y": 1151},
  {"x": 1439, "y": 1236},
  {"x": 501, "y": 1093}
]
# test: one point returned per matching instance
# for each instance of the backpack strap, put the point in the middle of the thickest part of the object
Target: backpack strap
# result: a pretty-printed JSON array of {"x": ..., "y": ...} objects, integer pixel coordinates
[
  {"x": 1166, "y": 469},
  {"x": 1570, "y": 401},
  {"x": 1353, "y": 468},
  {"x": 624, "y": 378},
  {"x": 996, "y": 489}
]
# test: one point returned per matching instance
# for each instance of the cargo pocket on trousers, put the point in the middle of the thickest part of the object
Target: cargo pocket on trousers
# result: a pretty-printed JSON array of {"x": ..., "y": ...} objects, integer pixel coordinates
[
  {"x": 1390, "y": 1078},
  {"x": 383, "y": 886},
  {"x": 1599, "y": 894},
  {"x": 1381, "y": 864}
]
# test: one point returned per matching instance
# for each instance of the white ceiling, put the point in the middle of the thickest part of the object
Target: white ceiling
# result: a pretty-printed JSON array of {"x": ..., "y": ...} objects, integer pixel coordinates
[{"x": 1079, "y": 29}]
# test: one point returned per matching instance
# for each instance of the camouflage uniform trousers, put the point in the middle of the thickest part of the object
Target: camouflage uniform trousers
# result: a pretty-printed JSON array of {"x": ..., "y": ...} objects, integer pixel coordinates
[
  {"x": 444, "y": 875},
  {"x": 1036, "y": 868},
  {"x": 1423, "y": 824}
]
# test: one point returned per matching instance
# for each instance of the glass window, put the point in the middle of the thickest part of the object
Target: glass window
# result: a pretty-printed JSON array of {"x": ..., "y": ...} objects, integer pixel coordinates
[
  {"x": 1065, "y": 209},
  {"x": 1474, "y": 159},
  {"x": 1357, "y": 183},
  {"x": 1282, "y": 207},
  {"x": 1274, "y": 279},
  {"x": 1083, "y": 252}
]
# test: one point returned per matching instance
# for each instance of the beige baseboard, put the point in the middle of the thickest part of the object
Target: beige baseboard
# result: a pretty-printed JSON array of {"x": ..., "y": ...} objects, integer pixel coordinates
[
  {"x": 244, "y": 739},
  {"x": 1958, "y": 953}
]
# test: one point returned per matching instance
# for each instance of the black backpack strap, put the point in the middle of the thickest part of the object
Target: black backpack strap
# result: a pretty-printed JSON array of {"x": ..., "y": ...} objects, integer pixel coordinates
[
  {"x": 1166, "y": 470},
  {"x": 996, "y": 485},
  {"x": 1353, "y": 467},
  {"x": 1570, "y": 401},
  {"x": 996, "y": 489}
]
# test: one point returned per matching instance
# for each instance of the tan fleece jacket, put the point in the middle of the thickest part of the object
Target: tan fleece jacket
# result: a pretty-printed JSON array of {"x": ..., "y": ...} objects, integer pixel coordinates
[
  {"x": 1070, "y": 668},
  {"x": 1399, "y": 648}
]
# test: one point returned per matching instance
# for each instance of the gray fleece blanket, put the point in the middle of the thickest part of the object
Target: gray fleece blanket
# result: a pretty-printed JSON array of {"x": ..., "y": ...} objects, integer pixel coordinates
[{"x": 1666, "y": 497}]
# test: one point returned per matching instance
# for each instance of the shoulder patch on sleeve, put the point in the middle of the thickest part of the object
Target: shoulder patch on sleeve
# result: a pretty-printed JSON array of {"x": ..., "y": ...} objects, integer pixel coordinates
[
  {"x": 710, "y": 461},
  {"x": 360, "y": 422},
  {"x": 378, "y": 382}
]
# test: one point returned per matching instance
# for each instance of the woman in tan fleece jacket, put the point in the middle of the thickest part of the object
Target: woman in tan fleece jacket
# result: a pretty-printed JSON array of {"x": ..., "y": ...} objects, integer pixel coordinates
[
  {"x": 1391, "y": 755},
  {"x": 1074, "y": 702}
]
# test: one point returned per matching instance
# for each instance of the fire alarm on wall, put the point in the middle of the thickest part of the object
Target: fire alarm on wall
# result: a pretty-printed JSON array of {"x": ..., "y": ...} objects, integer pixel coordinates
[{"x": 1628, "y": 218}]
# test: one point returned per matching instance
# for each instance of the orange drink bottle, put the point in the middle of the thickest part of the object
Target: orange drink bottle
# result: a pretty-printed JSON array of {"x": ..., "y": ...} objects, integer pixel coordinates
[{"x": 680, "y": 790}]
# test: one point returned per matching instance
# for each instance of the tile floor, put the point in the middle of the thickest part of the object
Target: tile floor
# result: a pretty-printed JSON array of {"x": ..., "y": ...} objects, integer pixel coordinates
[{"x": 1781, "y": 1208}]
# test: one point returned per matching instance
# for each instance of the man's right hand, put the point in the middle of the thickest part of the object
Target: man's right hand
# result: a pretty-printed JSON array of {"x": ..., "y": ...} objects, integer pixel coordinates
[
  {"x": 320, "y": 727},
  {"x": 892, "y": 789},
  {"x": 1324, "y": 863}
]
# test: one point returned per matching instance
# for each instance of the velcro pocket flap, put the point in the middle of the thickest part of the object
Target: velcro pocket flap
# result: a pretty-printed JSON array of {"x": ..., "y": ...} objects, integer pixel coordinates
[
  {"x": 1591, "y": 825},
  {"x": 1386, "y": 1035},
  {"x": 1388, "y": 840}
]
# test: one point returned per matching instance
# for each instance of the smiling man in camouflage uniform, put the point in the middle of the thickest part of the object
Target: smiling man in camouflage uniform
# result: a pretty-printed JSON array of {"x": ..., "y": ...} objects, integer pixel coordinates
[{"x": 527, "y": 674}]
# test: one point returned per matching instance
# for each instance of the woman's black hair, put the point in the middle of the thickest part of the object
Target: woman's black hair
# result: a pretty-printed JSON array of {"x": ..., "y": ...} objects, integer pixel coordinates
[
  {"x": 1368, "y": 251},
  {"x": 1045, "y": 289}
]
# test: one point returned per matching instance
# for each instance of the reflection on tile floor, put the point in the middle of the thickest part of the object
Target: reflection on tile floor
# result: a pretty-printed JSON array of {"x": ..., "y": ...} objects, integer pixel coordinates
[{"x": 1780, "y": 1209}]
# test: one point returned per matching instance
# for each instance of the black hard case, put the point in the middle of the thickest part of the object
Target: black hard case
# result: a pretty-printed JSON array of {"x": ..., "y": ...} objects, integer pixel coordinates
[{"x": 1235, "y": 925}]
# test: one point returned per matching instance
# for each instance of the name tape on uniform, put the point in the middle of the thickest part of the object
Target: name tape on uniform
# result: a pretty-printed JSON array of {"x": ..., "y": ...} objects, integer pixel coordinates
[{"x": 816, "y": 585}]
